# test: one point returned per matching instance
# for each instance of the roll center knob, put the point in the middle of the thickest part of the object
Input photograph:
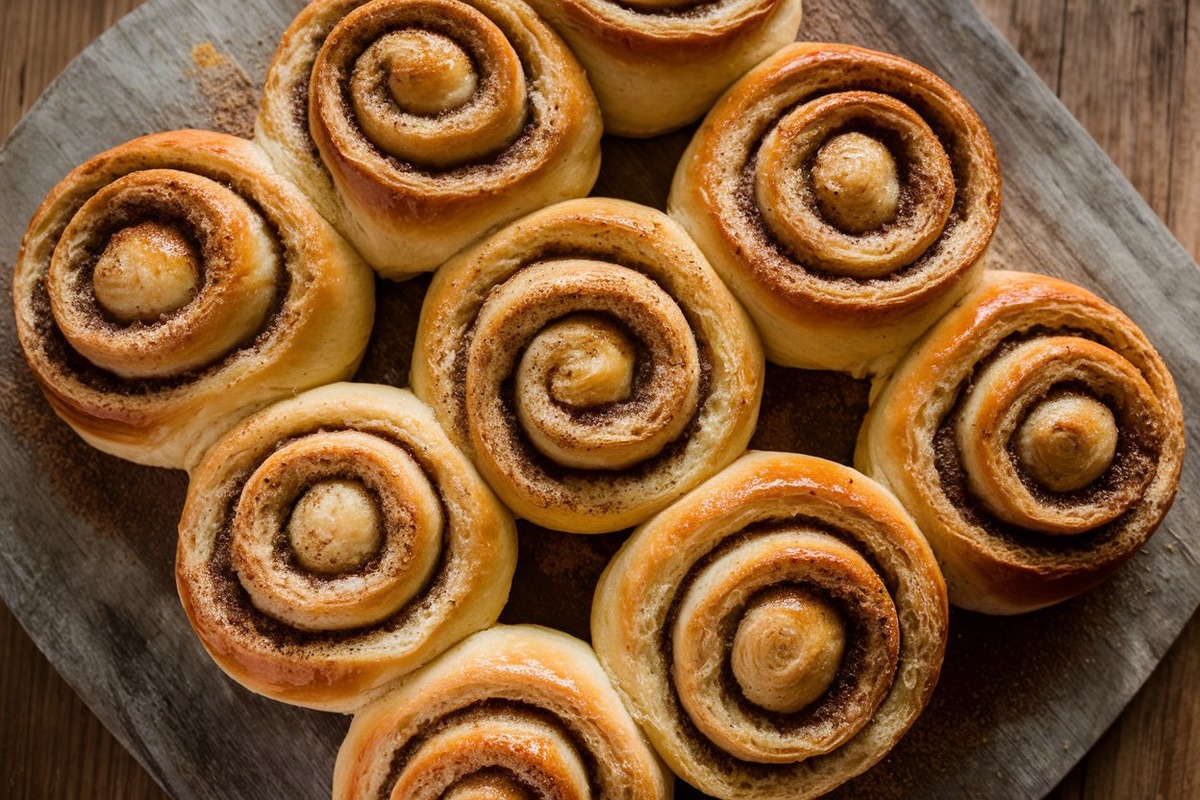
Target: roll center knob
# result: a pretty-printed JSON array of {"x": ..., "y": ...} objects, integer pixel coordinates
[
  {"x": 594, "y": 363},
  {"x": 856, "y": 183},
  {"x": 334, "y": 527},
  {"x": 428, "y": 73},
  {"x": 146, "y": 271},
  {"x": 787, "y": 650},
  {"x": 1068, "y": 442},
  {"x": 489, "y": 785}
]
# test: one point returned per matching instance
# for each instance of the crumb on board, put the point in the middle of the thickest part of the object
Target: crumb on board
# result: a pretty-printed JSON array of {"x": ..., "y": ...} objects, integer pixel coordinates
[{"x": 206, "y": 56}]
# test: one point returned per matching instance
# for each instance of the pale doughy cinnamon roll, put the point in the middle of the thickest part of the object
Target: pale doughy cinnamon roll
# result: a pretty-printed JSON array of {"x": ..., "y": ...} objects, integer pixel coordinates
[
  {"x": 846, "y": 196},
  {"x": 657, "y": 65},
  {"x": 512, "y": 713},
  {"x": 1035, "y": 435},
  {"x": 775, "y": 631},
  {"x": 173, "y": 284},
  {"x": 417, "y": 125},
  {"x": 336, "y": 541},
  {"x": 591, "y": 362}
]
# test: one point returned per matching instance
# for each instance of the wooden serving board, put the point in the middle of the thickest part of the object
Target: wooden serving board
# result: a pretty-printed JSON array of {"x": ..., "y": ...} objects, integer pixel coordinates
[{"x": 87, "y": 541}]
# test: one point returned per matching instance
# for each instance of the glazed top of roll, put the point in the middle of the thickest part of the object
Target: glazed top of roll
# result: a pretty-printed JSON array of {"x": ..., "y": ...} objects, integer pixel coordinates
[
  {"x": 1036, "y": 436},
  {"x": 840, "y": 189},
  {"x": 334, "y": 542},
  {"x": 416, "y": 125},
  {"x": 512, "y": 712},
  {"x": 591, "y": 362},
  {"x": 776, "y": 630},
  {"x": 657, "y": 65},
  {"x": 173, "y": 284}
]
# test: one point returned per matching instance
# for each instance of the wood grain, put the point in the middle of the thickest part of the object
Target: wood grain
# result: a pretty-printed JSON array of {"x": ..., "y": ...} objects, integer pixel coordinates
[
  {"x": 1124, "y": 69},
  {"x": 1140, "y": 99}
]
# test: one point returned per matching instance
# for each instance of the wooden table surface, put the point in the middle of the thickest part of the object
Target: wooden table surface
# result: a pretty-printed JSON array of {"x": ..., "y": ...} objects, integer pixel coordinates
[{"x": 1122, "y": 67}]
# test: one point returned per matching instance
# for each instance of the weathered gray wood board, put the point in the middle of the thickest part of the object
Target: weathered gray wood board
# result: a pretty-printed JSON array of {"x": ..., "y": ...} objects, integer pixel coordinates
[{"x": 87, "y": 542}]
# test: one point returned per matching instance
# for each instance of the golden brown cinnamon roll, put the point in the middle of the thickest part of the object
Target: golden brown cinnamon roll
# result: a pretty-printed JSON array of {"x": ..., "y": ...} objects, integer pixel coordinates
[
  {"x": 172, "y": 285},
  {"x": 416, "y": 125},
  {"x": 336, "y": 541},
  {"x": 657, "y": 65},
  {"x": 592, "y": 363},
  {"x": 846, "y": 196},
  {"x": 775, "y": 631},
  {"x": 1035, "y": 435},
  {"x": 511, "y": 713}
]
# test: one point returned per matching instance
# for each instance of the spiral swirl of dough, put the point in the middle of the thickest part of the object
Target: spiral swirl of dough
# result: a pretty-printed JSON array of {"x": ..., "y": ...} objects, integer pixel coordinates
[
  {"x": 512, "y": 713},
  {"x": 1035, "y": 435},
  {"x": 846, "y": 196},
  {"x": 775, "y": 631},
  {"x": 657, "y": 65},
  {"x": 336, "y": 541},
  {"x": 591, "y": 362},
  {"x": 417, "y": 125},
  {"x": 173, "y": 284}
]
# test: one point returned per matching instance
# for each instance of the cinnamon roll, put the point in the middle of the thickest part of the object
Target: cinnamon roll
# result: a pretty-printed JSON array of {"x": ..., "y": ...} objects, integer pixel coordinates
[
  {"x": 846, "y": 196},
  {"x": 591, "y": 362},
  {"x": 657, "y": 65},
  {"x": 334, "y": 542},
  {"x": 173, "y": 284},
  {"x": 1035, "y": 435},
  {"x": 511, "y": 712},
  {"x": 417, "y": 125},
  {"x": 777, "y": 630}
]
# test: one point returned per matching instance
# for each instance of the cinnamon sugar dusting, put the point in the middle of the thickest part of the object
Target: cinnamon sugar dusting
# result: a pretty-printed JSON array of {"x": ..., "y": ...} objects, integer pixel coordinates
[
  {"x": 228, "y": 91},
  {"x": 806, "y": 411},
  {"x": 66, "y": 475},
  {"x": 556, "y": 577}
]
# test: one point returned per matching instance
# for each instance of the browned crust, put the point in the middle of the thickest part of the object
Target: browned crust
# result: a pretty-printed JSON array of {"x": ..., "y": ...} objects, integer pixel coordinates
[
  {"x": 342, "y": 670},
  {"x": 635, "y": 593},
  {"x": 623, "y": 235},
  {"x": 408, "y": 218},
  {"x": 499, "y": 676},
  {"x": 894, "y": 446},
  {"x": 812, "y": 318},
  {"x": 317, "y": 334}
]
